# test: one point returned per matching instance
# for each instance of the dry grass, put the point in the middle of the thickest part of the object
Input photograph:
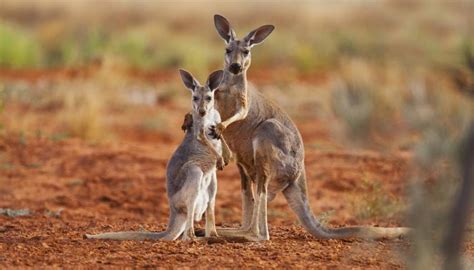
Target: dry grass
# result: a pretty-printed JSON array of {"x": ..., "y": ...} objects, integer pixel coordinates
[
  {"x": 151, "y": 35},
  {"x": 82, "y": 112},
  {"x": 376, "y": 203}
]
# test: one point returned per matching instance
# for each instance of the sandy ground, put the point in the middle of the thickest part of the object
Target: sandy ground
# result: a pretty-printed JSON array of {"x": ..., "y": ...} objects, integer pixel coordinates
[{"x": 122, "y": 187}]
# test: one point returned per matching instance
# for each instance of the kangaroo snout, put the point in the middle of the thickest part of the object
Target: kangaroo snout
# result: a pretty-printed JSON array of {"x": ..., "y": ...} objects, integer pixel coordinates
[
  {"x": 235, "y": 68},
  {"x": 202, "y": 112}
]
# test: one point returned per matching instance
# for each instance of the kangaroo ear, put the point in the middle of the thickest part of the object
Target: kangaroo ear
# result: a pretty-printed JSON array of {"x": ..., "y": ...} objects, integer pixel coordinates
[
  {"x": 223, "y": 28},
  {"x": 188, "y": 80},
  {"x": 215, "y": 79},
  {"x": 258, "y": 35}
]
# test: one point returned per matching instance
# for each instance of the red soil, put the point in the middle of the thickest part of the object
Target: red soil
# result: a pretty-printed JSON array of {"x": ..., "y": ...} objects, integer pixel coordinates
[{"x": 122, "y": 187}]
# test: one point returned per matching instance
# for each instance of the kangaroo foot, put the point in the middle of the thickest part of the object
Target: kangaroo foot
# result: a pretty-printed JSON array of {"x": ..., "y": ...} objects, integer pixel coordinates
[
  {"x": 231, "y": 231},
  {"x": 246, "y": 234},
  {"x": 200, "y": 232},
  {"x": 188, "y": 235}
]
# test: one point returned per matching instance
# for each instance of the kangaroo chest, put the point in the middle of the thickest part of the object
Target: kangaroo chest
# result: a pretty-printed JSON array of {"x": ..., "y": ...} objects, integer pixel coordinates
[
  {"x": 228, "y": 101},
  {"x": 210, "y": 120},
  {"x": 238, "y": 134}
]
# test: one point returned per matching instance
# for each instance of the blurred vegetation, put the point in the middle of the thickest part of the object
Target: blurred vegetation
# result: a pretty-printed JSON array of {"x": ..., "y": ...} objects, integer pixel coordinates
[
  {"x": 18, "y": 47},
  {"x": 377, "y": 202},
  {"x": 421, "y": 112},
  {"x": 377, "y": 54},
  {"x": 151, "y": 35}
]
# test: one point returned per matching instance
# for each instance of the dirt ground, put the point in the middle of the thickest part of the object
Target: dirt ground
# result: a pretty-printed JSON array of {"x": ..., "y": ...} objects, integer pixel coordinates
[{"x": 73, "y": 187}]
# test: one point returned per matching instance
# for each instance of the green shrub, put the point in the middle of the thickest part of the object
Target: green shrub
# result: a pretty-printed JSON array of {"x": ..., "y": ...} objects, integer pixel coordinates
[{"x": 18, "y": 48}]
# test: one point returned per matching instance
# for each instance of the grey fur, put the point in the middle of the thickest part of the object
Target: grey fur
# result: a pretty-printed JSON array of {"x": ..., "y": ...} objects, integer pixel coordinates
[{"x": 191, "y": 172}]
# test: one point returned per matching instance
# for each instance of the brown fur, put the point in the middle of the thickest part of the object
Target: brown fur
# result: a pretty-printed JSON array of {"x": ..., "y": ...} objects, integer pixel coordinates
[{"x": 268, "y": 148}]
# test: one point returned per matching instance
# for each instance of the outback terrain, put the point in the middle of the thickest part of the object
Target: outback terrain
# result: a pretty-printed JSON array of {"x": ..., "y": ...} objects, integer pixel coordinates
[
  {"x": 91, "y": 106},
  {"x": 72, "y": 187}
]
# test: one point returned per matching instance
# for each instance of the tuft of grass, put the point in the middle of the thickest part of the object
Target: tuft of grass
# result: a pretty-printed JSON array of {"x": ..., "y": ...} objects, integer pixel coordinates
[
  {"x": 6, "y": 166},
  {"x": 136, "y": 49},
  {"x": 57, "y": 137},
  {"x": 325, "y": 216},
  {"x": 52, "y": 213},
  {"x": 82, "y": 114},
  {"x": 14, "y": 213},
  {"x": 75, "y": 182},
  {"x": 157, "y": 123},
  {"x": 377, "y": 202},
  {"x": 365, "y": 104}
]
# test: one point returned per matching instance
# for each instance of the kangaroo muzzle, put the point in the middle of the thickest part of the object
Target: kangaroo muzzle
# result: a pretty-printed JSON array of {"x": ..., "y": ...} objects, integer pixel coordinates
[{"x": 235, "y": 68}]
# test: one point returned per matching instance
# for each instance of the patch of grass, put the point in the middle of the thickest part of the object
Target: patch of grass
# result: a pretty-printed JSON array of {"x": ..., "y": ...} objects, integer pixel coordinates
[
  {"x": 137, "y": 50},
  {"x": 7, "y": 166},
  {"x": 82, "y": 113},
  {"x": 324, "y": 217},
  {"x": 366, "y": 104},
  {"x": 377, "y": 202},
  {"x": 33, "y": 165},
  {"x": 75, "y": 182},
  {"x": 157, "y": 123},
  {"x": 52, "y": 213},
  {"x": 18, "y": 48},
  {"x": 57, "y": 137},
  {"x": 14, "y": 213},
  {"x": 22, "y": 139}
]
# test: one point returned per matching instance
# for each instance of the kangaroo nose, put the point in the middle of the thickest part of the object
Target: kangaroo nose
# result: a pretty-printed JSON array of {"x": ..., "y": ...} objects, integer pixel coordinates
[
  {"x": 235, "y": 68},
  {"x": 202, "y": 112}
]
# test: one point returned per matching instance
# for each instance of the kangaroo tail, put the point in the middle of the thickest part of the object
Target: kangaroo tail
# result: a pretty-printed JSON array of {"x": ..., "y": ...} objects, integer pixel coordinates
[
  {"x": 128, "y": 235},
  {"x": 175, "y": 228},
  {"x": 296, "y": 195}
]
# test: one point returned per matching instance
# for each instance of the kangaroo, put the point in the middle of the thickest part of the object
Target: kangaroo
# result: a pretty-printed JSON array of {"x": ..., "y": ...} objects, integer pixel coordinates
[
  {"x": 191, "y": 171},
  {"x": 268, "y": 147}
]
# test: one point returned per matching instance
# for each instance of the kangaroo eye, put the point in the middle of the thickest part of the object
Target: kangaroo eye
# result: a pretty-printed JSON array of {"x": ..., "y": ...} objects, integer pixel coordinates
[
  {"x": 208, "y": 98},
  {"x": 246, "y": 52},
  {"x": 195, "y": 98},
  {"x": 228, "y": 51}
]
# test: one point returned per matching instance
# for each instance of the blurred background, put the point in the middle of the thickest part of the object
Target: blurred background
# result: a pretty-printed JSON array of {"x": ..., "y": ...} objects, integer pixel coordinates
[
  {"x": 382, "y": 92},
  {"x": 77, "y": 60},
  {"x": 126, "y": 53}
]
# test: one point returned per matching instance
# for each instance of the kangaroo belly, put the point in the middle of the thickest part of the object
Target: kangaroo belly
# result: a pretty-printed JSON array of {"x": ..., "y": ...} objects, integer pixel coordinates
[{"x": 203, "y": 197}]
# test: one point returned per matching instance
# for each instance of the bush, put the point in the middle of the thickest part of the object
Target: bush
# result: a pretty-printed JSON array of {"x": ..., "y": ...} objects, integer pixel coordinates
[{"x": 18, "y": 48}]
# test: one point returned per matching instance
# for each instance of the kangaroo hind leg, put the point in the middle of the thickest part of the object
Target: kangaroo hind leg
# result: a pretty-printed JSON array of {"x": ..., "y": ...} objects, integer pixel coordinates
[{"x": 187, "y": 198}]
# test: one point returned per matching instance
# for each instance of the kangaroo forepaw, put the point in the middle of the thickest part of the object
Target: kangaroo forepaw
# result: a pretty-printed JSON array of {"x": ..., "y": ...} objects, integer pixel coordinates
[
  {"x": 217, "y": 130},
  {"x": 227, "y": 159},
  {"x": 221, "y": 164},
  {"x": 187, "y": 122}
]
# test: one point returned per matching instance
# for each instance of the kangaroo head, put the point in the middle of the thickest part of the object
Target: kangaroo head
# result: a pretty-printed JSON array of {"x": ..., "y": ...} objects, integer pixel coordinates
[
  {"x": 203, "y": 96},
  {"x": 237, "y": 51}
]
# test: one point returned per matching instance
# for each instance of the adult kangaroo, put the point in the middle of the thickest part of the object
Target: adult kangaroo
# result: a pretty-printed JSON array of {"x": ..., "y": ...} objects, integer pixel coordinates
[{"x": 268, "y": 147}]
